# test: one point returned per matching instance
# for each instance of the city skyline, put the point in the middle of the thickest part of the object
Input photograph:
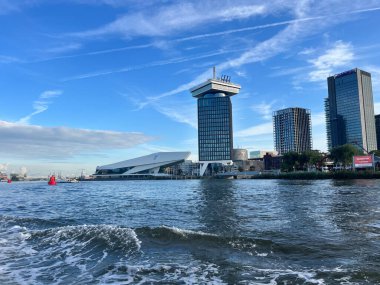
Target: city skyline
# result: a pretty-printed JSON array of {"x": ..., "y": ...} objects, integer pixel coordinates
[{"x": 85, "y": 83}]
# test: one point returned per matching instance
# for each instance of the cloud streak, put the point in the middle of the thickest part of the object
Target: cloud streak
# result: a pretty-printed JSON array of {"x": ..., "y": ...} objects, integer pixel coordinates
[
  {"x": 149, "y": 65},
  {"x": 61, "y": 143},
  {"x": 41, "y": 105},
  {"x": 173, "y": 18},
  {"x": 271, "y": 47},
  {"x": 264, "y": 109}
]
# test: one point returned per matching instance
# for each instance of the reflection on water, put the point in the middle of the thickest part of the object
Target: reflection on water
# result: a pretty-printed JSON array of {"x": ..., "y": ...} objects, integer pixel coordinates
[
  {"x": 217, "y": 207},
  {"x": 357, "y": 183}
]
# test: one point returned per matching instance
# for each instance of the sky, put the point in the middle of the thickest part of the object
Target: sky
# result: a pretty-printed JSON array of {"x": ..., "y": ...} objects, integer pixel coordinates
[{"x": 92, "y": 82}]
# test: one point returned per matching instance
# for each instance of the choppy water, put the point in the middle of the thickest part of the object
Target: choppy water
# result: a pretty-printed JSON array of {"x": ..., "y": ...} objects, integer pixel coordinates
[{"x": 191, "y": 232}]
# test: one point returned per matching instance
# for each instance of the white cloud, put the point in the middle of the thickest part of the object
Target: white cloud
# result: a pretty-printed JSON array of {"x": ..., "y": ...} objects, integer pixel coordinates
[
  {"x": 177, "y": 113},
  {"x": 37, "y": 142},
  {"x": 262, "y": 129},
  {"x": 264, "y": 109},
  {"x": 50, "y": 94},
  {"x": 260, "y": 52},
  {"x": 307, "y": 51},
  {"x": 8, "y": 59},
  {"x": 173, "y": 18},
  {"x": 340, "y": 55},
  {"x": 150, "y": 65},
  {"x": 241, "y": 73},
  {"x": 41, "y": 104},
  {"x": 63, "y": 48}
]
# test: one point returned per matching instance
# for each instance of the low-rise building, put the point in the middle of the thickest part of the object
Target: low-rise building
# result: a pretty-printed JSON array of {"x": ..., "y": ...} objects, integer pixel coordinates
[{"x": 148, "y": 166}]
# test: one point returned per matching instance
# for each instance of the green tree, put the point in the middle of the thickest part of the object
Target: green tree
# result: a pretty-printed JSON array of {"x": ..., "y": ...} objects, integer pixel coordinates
[
  {"x": 343, "y": 154},
  {"x": 314, "y": 157},
  {"x": 375, "y": 152},
  {"x": 290, "y": 161},
  {"x": 300, "y": 161}
]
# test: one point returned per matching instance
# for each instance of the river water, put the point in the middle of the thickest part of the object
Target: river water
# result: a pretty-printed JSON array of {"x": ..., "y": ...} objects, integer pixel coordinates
[{"x": 191, "y": 232}]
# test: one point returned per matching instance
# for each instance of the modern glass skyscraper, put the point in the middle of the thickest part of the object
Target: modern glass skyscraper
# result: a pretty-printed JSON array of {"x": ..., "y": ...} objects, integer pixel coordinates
[
  {"x": 349, "y": 110},
  {"x": 215, "y": 138},
  {"x": 292, "y": 130},
  {"x": 377, "y": 123}
]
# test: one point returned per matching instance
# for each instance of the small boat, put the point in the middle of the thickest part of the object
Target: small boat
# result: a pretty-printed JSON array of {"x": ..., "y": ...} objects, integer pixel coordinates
[{"x": 69, "y": 180}]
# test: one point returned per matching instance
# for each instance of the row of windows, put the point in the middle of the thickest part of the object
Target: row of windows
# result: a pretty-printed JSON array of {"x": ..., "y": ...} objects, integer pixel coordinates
[
  {"x": 219, "y": 147},
  {"x": 214, "y": 152},
  {"x": 225, "y": 116},
  {"x": 218, "y": 139},
  {"x": 215, "y": 157},
  {"x": 216, "y": 126},
  {"x": 214, "y": 102},
  {"x": 213, "y": 131}
]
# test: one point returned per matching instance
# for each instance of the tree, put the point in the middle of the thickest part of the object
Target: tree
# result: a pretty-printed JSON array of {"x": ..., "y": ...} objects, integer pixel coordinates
[
  {"x": 300, "y": 161},
  {"x": 343, "y": 154},
  {"x": 314, "y": 157},
  {"x": 375, "y": 152},
  {"x": 290, "y": 161}
]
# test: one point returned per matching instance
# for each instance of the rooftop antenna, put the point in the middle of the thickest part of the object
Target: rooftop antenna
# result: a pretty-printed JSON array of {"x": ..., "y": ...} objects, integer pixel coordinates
[{"x": 213, "y": 72}]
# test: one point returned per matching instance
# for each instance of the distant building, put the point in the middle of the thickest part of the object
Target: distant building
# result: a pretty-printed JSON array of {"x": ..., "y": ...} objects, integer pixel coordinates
[
  {"x": 239, "y": 154},
  {"x": 261, "y": 153},
  {"x": 272, "y": 162},
  {"x": 377, "y": 124},
  {"x": 148, "y": 166},
  {"x": 349, "y": 110},
  {"x": 187, "y": 168},
  {"x": 292, "y": 130},
  {"x": 3, "y": 176},
  {"x": 215, "y": 138}
]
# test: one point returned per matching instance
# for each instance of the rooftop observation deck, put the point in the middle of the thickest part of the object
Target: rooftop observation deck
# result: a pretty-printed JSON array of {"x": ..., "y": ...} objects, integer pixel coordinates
[{"x": 215, "y": 85}]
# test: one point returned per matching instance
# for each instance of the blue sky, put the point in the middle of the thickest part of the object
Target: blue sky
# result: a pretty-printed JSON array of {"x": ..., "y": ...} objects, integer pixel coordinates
[{"x": 90, "y": 82}]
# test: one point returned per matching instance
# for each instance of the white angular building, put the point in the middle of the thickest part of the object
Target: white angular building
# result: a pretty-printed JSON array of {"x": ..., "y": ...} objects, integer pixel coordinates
[{"x": 153, "y": 165}]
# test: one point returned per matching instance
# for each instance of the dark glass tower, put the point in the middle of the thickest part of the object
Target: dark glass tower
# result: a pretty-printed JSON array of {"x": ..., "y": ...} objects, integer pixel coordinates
[
  {"x": 349, "y": 110},
  {"x": 292, "y": 130},
  {"x": 377, "y": 123},
  {"x": 215, "y": 138},
  {"x": 215, "y": 127}
]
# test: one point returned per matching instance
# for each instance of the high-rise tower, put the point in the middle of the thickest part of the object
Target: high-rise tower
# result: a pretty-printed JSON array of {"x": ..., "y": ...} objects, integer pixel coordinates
[
  {"x": 377, "y": 124},
  {"x": 215, "y": 138},
  {"x": 292, "y": 130},
  {"x": 349, "y": 110}
]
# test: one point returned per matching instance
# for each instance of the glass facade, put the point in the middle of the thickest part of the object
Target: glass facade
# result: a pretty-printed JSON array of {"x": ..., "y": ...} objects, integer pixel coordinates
[
  {"x": 292, "y": 130},
  {"x": 215, "y": 127},
  {"x": 377, "y": 123},
  {"x": 349, "y": 110}
]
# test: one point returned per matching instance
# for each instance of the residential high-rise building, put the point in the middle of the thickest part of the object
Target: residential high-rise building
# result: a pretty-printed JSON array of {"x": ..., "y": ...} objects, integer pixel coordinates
[
  {"x": 349, "y": 110},
  {"x": 215, "y": 138},
  {"x": 292, "y": 130},
  {"x": 377, "y": 124}
]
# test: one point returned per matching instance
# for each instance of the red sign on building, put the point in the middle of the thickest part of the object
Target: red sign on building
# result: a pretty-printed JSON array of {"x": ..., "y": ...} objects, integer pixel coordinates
[{"x": 363, "y": 161}]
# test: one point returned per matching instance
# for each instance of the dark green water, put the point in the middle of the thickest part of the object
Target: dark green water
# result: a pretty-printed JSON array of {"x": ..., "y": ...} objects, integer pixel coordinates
[{"x": 191, "y": 232}]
